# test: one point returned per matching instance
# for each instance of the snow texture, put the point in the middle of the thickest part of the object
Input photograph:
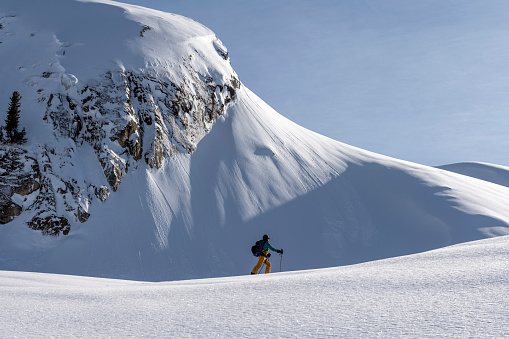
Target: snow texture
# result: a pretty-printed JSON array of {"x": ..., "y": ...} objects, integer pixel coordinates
[
  {"x": 488, "y": 172},
  {"x": 156, "y": 97},
  {"x": 155, "y": 163},
  {"x": 454, "y": 292}
]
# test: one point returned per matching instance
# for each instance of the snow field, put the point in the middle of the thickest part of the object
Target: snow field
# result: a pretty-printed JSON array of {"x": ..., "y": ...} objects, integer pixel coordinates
[{"x": 457, "y": 291}]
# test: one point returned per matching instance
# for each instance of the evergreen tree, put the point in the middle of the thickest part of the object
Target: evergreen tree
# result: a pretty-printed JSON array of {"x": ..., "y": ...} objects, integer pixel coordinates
[{"x": 12, "y": 135}]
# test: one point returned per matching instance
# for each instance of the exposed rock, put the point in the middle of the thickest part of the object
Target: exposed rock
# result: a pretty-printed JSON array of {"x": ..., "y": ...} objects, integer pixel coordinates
[
  {"x": 28, "y": 187},
  {"x": 31, "y": 176},
  {"x": 124, "y": 139},
  {"x": 8, "y": 212},
  {"x": 19, "y": 175},
  {"x": 82, "y": 214},
  {"x": 50, "y": 225},
  {"x": 102, "y": 193},
  {"x": 145, "y": 29},
  {"x": 129, "y": 118},
  {"x": 114, "y": 167}
]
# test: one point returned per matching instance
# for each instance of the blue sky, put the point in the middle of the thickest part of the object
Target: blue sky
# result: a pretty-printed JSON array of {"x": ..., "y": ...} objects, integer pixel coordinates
[{"x": 426, "y": 82}]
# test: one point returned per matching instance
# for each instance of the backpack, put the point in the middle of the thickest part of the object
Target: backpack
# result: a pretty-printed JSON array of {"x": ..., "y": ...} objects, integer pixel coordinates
[{"x": 257, "y": 248}]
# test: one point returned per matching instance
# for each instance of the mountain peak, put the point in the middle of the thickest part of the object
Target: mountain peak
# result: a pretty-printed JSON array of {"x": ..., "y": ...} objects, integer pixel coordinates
[{"x": 132, "y": 84}]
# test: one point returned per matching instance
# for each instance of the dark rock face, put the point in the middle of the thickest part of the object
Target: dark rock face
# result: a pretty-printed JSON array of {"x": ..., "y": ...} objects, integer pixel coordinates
[
  {"x": 119, "y": 121},
  {"x": 102, "y": 193},
  {"x": 19, "y": 175},
  {"x": 50, "y": 225},
  {"x": 127, "y": 118},
  {"x": 9, "y": 211}
]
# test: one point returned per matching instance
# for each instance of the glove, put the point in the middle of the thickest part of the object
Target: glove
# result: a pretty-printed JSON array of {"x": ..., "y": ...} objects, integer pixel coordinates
[
  {"x": 268, "y": 255},
  {"x": 280, "y": 251}
]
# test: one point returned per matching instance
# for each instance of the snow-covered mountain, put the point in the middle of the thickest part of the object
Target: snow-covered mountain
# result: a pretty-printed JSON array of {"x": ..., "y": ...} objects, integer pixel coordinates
[
  {"x": 149, "y": 90},
  {"x": 148, "y": 159}
]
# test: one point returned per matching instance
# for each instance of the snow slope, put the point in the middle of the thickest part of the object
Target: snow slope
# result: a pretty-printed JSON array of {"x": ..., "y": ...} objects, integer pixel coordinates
[
  {"x": 325, "y": 203},
  {"x": 488, "y": 172},
  {"x": 224, "y": 182},
  {"x": 457, "y": 291}
]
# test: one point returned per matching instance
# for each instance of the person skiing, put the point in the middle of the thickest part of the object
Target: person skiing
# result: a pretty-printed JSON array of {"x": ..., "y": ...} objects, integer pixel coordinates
[{"x": 264, "y": 255}]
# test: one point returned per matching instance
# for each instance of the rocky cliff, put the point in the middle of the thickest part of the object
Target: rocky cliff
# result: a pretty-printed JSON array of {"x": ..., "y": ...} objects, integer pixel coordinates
[{"x": 127, "y": 114}]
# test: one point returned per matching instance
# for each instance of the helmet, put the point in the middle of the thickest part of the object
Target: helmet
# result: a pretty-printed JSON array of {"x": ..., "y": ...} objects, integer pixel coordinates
[{"x": 265, "y": 237}]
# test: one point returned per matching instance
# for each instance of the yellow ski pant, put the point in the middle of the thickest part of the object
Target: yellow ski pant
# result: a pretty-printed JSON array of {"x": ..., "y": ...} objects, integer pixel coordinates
[{"x": 261, "y": 260}]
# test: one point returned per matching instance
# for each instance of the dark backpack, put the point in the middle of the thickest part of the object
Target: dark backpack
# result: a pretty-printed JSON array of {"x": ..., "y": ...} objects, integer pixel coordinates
[{"x": 256, "y": 249}]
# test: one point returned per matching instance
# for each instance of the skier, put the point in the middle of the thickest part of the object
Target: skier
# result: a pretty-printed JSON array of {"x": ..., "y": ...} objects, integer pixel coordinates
[{"x": 264, "y": 255}]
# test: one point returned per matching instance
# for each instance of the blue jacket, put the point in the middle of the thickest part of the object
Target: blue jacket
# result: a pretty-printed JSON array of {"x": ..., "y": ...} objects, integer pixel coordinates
[{"x": 266, "y": 247}]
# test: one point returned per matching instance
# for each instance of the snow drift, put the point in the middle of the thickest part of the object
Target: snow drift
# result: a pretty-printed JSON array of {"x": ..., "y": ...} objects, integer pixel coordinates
[
  {"x": 149, "y": 160},
  {"x": 456, "y": 291},
  {"x": 488, "y": 172}
]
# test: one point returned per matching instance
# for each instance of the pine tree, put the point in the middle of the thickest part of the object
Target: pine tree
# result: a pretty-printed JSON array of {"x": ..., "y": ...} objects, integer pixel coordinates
[{"x": 12, "y": 135}]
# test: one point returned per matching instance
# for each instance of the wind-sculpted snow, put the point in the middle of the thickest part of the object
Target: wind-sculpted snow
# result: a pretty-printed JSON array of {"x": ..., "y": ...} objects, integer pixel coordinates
[
  {"x": 488, "y": 172},
  {"x": 153, "y": 162},
  {"x": 455, "y": 292}
]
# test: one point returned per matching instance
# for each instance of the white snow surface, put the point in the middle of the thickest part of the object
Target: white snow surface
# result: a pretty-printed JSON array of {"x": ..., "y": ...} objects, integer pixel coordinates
[
  {"x": 488, "y": 172},
  {"x": 454, "y": 292},
  {"x": 92, "y": 36},
  {"x": 325, "y": 203}
]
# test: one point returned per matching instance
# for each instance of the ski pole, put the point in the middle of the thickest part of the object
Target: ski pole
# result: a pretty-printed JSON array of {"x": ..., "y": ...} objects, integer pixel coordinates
[
  {"x": 266, "y": 259},
  {"x": 280, "y": 262},
  {"x": 261, "y": 267}
]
